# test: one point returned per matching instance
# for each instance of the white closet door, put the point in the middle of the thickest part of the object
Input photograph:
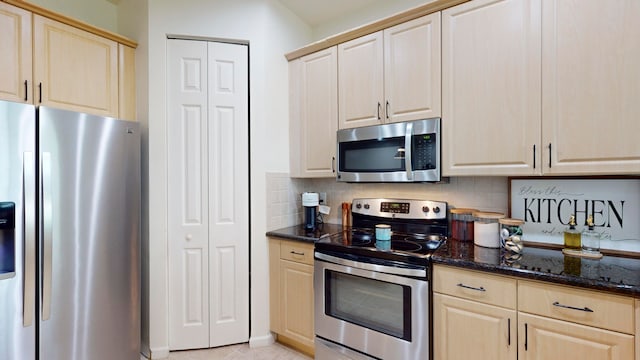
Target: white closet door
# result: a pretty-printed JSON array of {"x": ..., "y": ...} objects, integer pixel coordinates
[
  {"x": 188, "y": 194},
  {"x": 228, "y": 163}
]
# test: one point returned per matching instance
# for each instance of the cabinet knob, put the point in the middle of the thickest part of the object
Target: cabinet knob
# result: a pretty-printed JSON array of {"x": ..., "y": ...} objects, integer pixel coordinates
[{"x": 188, "y": 237}]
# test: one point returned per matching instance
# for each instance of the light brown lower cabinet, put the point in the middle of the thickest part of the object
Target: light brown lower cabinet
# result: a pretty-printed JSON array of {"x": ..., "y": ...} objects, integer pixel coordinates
[
  {"x": 637, "y": 329},
  {"x": 542, "y": 338},
  {"x": 291, "y": 293},
  {"x": 475, "y": 318},
  {"x": 472, "y": 330}
]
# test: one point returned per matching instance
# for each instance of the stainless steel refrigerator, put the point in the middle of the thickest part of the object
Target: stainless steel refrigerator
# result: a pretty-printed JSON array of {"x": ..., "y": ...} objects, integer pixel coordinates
[{"x": 69, "y": 235}]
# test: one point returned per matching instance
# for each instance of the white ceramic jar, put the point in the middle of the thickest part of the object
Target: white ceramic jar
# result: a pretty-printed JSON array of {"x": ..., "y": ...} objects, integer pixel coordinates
[{"x": 486, "y": 230}]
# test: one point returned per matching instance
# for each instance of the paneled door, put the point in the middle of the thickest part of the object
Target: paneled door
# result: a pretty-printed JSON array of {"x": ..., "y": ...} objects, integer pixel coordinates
[{"x": 208, "y": 226}]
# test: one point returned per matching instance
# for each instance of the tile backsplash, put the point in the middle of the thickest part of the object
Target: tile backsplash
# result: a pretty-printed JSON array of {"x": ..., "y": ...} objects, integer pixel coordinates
[{"x": 285, "y": 208}]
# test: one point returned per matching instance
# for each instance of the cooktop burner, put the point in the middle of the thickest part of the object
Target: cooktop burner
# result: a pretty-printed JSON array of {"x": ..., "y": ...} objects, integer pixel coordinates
[{"x": 418, "y": 228}]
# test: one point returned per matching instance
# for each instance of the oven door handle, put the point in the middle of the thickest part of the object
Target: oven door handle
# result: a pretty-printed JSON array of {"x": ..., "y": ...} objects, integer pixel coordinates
[{"x": 402, "y": 271}]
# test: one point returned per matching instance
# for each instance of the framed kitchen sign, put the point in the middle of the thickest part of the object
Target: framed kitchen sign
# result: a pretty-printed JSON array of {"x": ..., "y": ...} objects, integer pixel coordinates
[{"x": 546, "y": 204}]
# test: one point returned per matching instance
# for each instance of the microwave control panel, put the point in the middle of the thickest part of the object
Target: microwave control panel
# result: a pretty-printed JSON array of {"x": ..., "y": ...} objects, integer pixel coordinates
[{"x": 424, "y": 152}]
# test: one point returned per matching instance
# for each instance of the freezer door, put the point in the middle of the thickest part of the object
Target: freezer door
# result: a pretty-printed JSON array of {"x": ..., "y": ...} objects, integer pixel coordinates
[
  {"x": 90, "y": 248},
  {"x": 17, "y": 266}
]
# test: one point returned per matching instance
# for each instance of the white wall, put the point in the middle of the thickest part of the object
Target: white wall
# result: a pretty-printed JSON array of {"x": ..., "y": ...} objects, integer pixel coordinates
[
  {"x": 369, "y": 14},
  {"x": 271, "y": 31},
  {"x": 100, "y": 13}
]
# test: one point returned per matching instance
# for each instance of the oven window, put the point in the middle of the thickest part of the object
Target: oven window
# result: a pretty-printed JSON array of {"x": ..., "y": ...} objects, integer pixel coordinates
[
  {"x": 377, "y": 305},
  {"x": 383, "y": 155}
]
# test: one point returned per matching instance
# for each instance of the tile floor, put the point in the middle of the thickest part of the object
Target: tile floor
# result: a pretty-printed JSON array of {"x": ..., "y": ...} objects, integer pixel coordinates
[{"x": 240, "y": 352}]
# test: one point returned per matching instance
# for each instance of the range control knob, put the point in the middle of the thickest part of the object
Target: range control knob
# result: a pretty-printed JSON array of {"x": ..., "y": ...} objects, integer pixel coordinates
[
  {"x": 366, "y": 206},
  {"x": 425, "y": 209},
  {"x": 436, "y": 209},
  {"x": 358, "y": 206}
]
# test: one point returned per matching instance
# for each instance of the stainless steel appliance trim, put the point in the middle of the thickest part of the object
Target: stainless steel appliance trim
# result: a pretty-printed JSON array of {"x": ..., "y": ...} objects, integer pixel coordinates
[
  {"x": 366, "y": 340},
  {"x": 327, "y": 350},
  {"x": 424, "y": 126},
  {"x": 372, "y": 132},
  {"x": 407, "y": 150},
  {"x": 29, "y": 198},
  {"x": 415, "y": 209},
  {"x": 372, "y": 267},
  {"x": 47, "y": 235}
]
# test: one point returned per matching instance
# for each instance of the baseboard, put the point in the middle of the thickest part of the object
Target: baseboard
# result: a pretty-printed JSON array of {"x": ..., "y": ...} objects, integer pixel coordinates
[
  {"x": 159, "y": 353},
  {"x": 258, "y": 341}
]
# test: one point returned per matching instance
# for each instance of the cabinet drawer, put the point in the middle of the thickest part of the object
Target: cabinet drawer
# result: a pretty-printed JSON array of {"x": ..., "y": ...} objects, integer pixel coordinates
[
  {"x": 576, "y": 305},
  {"x": 474, "y": 285},
  {"x": 297, "y": 251}
]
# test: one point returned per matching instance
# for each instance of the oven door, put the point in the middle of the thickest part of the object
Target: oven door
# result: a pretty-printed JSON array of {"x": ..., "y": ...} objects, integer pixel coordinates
[{"x": 359, "y": 306}]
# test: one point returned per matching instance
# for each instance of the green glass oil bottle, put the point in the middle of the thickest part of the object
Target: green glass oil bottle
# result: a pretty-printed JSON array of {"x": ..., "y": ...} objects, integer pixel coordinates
[{"x": 572, "y": 239}]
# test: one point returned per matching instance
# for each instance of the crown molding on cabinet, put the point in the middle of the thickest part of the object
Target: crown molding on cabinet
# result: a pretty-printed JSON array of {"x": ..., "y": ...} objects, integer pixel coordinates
[
  {"x": 372, "y": 27},
  {"x": 72, "y": 22}
]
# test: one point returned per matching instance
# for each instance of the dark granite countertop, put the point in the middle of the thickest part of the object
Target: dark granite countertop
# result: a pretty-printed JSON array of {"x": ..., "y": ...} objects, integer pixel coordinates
[
  {"x": 300, "y": 234},
  {"x": 612, "y": 274}
]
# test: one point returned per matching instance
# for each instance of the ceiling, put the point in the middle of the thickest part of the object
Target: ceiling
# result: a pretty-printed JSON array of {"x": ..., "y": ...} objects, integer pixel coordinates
[{"x": 316, "y": 12}]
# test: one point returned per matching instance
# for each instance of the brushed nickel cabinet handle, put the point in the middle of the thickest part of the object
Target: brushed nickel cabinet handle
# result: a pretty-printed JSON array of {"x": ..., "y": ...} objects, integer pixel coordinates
[
  {"x": 297, "y": 253},
  {"x": 585, "y": 309},
  {"x": 534, "y": 156},
  {"x": 526, "y": 337},
  {"x": 509, "y": 331},
  {"x": 471, "y": 287},
  {"x": 379, "y": 106},
  {"x": 549, "y": 155},
  {"x": 386, "y": 110},
  {"x": 26, "y": 91}
]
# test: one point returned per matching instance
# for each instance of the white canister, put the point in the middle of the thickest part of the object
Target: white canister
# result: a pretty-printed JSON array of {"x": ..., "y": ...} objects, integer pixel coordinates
[{"x": 486, "y": 230}]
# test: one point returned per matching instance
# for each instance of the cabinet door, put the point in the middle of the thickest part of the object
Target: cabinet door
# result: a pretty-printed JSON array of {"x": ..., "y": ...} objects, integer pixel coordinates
[
  {"x": 412, "y": 69},
  {"x": 464, "y": 329},
  {"x": 360, "y": 81},
  {"x": 591, "y": 85},
  {"x": 637, "y": 329},
  {"x": 491, "y": 88},
  {"x": 126, "y": 82},
  {"x": 543, "y": 338},
  {"x": 15, "y": 57},
  {"x": 314, "y": 131},
  {"x": 76, "y": 70},
  {"x": 296, "y": 302}
]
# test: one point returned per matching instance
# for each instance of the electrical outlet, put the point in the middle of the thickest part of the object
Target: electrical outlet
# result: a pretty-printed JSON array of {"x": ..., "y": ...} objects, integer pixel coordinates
[{"x": 323, "y": 198}]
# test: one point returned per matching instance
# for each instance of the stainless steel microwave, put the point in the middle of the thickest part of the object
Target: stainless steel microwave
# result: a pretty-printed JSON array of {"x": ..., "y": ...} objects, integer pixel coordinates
[{"x": 397, "y": 152}]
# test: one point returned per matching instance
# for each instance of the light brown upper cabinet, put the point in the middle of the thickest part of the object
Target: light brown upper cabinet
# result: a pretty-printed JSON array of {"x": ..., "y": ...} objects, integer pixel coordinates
[
  {"x": 491, "y": 87},
  {"x": 126, "y": 82},
  {"x": 533, "y": 87},
  {"x": 46, "y": 61},
  {"x": 313, "y": 110},
  {"x": 591, "y": 87},
  {"x": 391, "y": 75},
  {"x": 15, "y": 54},
  {"x": 74, "y": 69}
]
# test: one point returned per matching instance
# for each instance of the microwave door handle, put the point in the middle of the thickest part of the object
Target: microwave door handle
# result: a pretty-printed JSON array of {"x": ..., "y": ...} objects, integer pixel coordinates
[{"x": 407, "y": 150}]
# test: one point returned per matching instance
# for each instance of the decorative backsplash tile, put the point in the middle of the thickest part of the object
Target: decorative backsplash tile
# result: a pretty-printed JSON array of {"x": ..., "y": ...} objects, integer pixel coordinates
[{"x": 285, "y": 208}]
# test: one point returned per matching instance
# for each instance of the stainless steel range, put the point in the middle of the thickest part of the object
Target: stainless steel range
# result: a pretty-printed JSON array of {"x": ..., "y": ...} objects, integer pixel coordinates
[{"x": 372, "y": 303}]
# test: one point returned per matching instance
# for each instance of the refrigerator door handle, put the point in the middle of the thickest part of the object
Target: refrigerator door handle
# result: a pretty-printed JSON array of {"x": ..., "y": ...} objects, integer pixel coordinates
[
  {"x": 47, "y": 235},
  {"x": 29, "y": 254}
]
